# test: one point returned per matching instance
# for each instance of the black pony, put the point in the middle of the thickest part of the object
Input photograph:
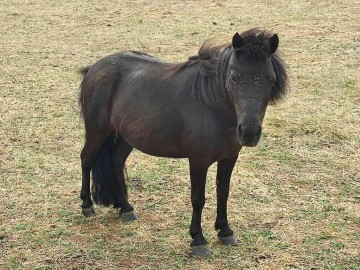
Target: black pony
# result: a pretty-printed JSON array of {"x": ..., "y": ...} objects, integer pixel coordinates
[{"x": 205, "y": 109}]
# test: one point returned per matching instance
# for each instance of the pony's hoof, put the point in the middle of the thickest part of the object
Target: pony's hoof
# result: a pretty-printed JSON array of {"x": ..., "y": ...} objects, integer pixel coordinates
[
  {"x": 88, "y": 212},
  {"x": 228, "y": 240},
  {"x": 129, "y": 216},
  {"x": 201, "y": 251}
]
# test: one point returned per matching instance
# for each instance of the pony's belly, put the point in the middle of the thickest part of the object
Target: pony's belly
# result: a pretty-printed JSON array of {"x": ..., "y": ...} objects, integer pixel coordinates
[
  {"x": 150, "y": 134},
  {"x": 155, "y": 147}
]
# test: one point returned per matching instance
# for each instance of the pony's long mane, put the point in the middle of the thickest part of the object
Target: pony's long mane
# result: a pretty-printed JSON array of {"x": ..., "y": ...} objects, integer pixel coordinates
[
  {"x": 210, "y": 80},
  {"x": 208, "y": 84}
]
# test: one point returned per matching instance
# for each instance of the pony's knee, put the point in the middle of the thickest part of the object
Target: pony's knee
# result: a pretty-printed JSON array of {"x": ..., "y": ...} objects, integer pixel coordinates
[
  {"x": 198, "y": 202},
  {"x": 87, "y": 161}
]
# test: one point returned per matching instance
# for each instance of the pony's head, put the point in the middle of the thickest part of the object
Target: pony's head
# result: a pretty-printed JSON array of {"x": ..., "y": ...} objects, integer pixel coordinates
[{"x": 256, "y": 77}]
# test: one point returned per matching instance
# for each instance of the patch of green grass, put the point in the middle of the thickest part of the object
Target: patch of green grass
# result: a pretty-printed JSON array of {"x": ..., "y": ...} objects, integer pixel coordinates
[
  {"x": 24, "y": 226},
  {"x": 268, "y": 234},
  {"x": 45, "y": 267},
  {"x": 14, "y": 263}
]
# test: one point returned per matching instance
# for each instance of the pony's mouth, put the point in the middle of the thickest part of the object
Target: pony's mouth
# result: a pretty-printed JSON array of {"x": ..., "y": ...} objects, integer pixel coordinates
[{"x": 249, "y": 143}]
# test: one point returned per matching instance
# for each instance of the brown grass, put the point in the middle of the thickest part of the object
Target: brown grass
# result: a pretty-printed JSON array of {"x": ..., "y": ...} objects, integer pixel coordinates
[{"x": 294, "y": 199}]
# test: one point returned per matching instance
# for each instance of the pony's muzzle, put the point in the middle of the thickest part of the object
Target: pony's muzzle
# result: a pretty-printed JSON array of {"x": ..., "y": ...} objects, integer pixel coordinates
[{"x": 248, "y": 135}]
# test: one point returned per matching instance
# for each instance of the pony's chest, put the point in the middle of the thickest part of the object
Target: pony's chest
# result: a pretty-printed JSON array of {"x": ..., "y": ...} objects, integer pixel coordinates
[
  {"x": 229, "y": 146},
  {"x": 219, "y": 143}
]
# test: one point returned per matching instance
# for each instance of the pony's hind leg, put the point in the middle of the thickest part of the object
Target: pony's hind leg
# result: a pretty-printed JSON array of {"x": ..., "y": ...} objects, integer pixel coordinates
[
  {"x": 119, "y": 156},
  {"x": 93, "y": 144}
]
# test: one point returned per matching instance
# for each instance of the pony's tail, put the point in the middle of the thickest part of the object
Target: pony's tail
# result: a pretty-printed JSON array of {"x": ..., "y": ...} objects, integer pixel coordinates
[
  {"x": 103, "y": 184},
  {"x": 83, "y": 72}
]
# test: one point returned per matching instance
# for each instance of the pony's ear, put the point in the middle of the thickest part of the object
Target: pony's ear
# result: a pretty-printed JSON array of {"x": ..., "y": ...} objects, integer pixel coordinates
[
  {"x": 273, "y": 43},
  {"x": 237, "y": 41}
]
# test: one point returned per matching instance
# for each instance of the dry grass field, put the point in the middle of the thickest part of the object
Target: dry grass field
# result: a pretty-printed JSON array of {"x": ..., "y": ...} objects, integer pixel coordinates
[{"x": 295, "y": 198}]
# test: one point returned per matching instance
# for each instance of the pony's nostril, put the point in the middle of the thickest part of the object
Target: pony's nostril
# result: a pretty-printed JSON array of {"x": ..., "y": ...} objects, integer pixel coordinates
[{"x": 257, "y": 130}]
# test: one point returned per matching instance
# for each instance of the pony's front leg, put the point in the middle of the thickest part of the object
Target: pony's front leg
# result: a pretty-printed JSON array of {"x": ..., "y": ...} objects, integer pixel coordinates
[
  {"x": 198, "y": 179},
  {"x": 224, "y": 170}
]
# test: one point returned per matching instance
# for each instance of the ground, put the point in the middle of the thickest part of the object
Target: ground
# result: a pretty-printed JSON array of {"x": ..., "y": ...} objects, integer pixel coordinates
[{"x": 294, "y": 201}]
